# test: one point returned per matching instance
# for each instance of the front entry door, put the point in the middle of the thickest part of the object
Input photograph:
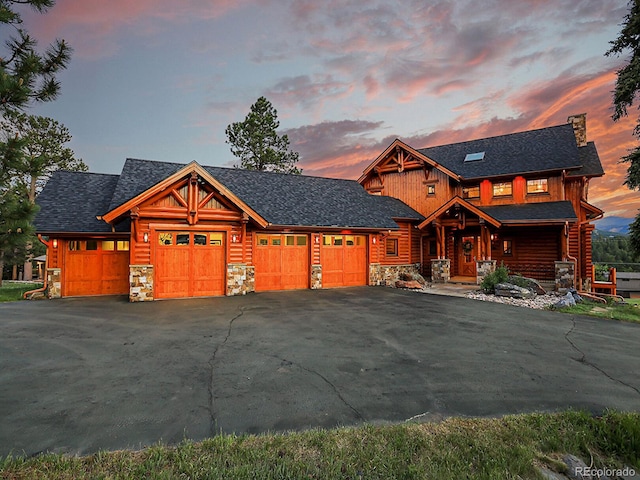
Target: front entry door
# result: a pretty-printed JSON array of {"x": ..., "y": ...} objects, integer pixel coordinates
[{"x": 467, "y": 253}]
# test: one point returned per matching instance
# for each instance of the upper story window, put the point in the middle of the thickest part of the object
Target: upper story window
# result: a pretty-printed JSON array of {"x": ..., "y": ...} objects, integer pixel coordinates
[
  {"x": 471, "y": 192},
  {"x": 540, "y": 185},
  {"x": 431, "y": 189},
  {"x": 502, "y": 189}
]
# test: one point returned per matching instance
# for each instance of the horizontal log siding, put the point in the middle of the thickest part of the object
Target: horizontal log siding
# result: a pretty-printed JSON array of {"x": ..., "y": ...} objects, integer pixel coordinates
[
  {"x": 235, "y": 249},
  {"x": 535, "y": 258},
  {"x": 416, "y": 246},
  {"x": 404, "y": 249}
]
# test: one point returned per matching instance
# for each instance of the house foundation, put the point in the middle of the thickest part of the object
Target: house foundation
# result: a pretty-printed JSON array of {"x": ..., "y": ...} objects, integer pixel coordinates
[
  {"x": 440, "y": 270},
  {"x": 565, "y": 276},
  {"x": 387, "y": 275},
  {"x": 316, "y": 277},
  {"x": 484, "y": 268},
  {"x": 240, "y": 279},
  {"x": 54, "y": 283},
  {"x": 140, "y": 283}
]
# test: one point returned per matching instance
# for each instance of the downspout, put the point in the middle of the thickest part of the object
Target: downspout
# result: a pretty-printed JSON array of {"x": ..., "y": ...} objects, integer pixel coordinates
[{"x": 46, "y": 267}]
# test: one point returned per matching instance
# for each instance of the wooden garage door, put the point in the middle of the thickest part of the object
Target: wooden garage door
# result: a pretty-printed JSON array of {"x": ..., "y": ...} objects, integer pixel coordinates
[
  {"x": 96, "y": 267},
  {"x": 344, "y": 260},
  {"x": 281, "y": 262},
  {"x": 189, "y": 264}
]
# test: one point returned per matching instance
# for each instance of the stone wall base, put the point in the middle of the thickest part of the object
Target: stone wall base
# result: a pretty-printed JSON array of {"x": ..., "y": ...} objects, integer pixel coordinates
[
  {"x": 140, "y": 283},
  {"x": 484, "y": 268},
  {"x": 316, "y": 277},
  {"x": 388, "y": 275},
  {"x": 240, "y": 279},
  {"x": 54, "y": 283},
  {"x": 440, "y": 270},
  {"x": 565, "y": 276}
]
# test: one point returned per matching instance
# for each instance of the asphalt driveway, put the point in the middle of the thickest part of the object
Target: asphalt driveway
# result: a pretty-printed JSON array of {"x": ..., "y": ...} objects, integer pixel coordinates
[{"x": 79, "y": 375}]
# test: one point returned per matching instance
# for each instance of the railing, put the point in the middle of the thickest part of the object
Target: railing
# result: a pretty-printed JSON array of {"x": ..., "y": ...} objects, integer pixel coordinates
[{"x": 621, "y": 266}]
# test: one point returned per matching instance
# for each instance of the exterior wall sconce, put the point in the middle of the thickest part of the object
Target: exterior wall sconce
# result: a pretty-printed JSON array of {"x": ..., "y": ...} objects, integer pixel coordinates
[
  {"x": 375, "y": 239},
  {"x": 235, "y": 238},
  {"x": 145, "y": 237},
  {"x": 316, "y": 239},
  {"x": 55, "y": 243}
]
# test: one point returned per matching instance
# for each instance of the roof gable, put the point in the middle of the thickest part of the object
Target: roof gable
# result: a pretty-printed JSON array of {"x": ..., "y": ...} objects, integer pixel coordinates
[
  {"x": 399, "y": 156},
  {"x": 542, "y": 150}
]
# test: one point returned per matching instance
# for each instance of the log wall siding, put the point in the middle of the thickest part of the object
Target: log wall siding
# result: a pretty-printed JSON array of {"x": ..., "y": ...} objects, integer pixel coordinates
[
  {"x": 531, "y": 259},
  {"x": 404, "y": 246}
]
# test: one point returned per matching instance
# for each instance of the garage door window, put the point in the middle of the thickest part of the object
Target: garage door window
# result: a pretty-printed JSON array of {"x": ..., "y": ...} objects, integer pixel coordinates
[
  {"x": 215, "y": 239},
  {"x": 182, "y": 239},
  {"x": 165, "y": 238},
  {"x": 199, "y": 238}
]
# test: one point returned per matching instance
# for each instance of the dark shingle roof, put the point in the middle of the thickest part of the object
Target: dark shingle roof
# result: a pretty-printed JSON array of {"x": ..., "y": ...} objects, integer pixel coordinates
[
  {"x": 292, "y": 200},
  {"x": 70, "y": 202},
  {"x": 548, "y": 211},
  {"x": 591, "y": 166},
  {"x": 545, "y": 149}
]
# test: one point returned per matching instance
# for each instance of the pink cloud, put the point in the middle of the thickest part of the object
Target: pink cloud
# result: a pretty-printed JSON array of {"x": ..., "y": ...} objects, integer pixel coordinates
[{"x": 90, "y": 26}]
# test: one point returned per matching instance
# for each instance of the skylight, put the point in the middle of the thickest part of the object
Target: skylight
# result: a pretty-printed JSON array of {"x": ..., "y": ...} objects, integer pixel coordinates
[{"x": 473, "y": 157}]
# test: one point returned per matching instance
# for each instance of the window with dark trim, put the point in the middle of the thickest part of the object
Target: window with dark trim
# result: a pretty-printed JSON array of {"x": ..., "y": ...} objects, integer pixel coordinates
[
  {"x": 431, "y": 189},
  {"x": 502, "y": 189},
  {"x": 539, "y": 185},
  {"x": 391, "y": 245},
  {"x": 507, "y": 248},
  {"x": 471, "y": 192}
]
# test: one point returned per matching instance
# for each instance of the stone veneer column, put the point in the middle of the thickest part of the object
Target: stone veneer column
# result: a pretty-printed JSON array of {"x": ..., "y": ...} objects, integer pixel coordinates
[
  {"x": 316, "y": 277},
  {"x": 483, "y": 268},
  {"x": 54, "y": 283},
  {"x": 440, "y": 270},
  {"x": 240, "y": 279},
  {"x": 140, "y": 283},
  {"x": 565, "y": 276}
]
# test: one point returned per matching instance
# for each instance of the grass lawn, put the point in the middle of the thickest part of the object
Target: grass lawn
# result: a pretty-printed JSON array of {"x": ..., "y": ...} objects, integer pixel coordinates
[
  {"x": 10, "y": 292},
  {"x": 478, "y": 448},
  {"x": 628, "y": 312}
]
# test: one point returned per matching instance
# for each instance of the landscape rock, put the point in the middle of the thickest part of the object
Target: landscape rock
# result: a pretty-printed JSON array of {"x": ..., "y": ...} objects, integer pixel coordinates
[
  {"x": 513, "y": 291},
  {"x": 566, "y": 301},
  {"x": 530, "y": 283},
  {"x": 413, "y": 284},
  {"x": 414, "y": 276}
]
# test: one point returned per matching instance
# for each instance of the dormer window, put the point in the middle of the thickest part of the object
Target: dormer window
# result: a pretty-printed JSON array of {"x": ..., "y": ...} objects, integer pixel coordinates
[
  {"x": 540, "y": 185},
  {"x": 502, "y": 189}
]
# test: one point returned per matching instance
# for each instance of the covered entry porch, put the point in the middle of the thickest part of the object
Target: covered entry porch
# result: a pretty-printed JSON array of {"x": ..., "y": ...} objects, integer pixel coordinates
[{"x": 463, "y": 242}]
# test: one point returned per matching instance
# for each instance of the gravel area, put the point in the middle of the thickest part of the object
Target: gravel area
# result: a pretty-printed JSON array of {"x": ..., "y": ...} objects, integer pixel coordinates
[{"x": 540, "y": 302}]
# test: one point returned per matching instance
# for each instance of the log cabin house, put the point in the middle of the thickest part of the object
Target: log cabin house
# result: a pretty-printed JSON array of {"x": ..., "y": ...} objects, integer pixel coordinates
[
  {"x": 167, "y": 230},
  {"x": 519, "y": 199}
]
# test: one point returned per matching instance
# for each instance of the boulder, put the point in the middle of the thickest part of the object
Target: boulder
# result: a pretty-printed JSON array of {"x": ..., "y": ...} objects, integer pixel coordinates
[
  {"x": 566, "y": 301},
  {"x": 415, "y": 277},
  {"x": 529, "y": 283},
  {"x": 408, "y": 284},
  {"x": 513, "y": 291}
]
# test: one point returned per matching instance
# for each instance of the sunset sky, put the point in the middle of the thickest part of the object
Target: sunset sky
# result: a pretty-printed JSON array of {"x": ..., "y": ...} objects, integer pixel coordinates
[{"x": 161, "y": 79}]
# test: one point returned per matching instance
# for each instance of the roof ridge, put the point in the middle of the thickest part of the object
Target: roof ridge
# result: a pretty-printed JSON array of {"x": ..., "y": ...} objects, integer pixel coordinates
[{"x": 497, "y": 136}]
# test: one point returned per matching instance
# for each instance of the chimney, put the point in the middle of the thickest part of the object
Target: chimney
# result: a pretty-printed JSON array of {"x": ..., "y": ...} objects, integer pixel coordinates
[{"x": 579, "y": 124}]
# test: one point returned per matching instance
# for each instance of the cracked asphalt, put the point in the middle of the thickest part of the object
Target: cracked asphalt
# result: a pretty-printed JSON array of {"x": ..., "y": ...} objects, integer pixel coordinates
[{"x": 81, "y": 375}]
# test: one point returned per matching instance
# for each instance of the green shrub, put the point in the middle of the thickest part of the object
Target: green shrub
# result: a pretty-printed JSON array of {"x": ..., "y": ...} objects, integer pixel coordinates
[{"x": 500, "y": 275}]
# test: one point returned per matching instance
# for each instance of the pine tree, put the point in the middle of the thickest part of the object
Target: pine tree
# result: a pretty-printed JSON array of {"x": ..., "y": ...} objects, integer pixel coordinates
[
  {"x": 26, "y": 76},
  {"x": 624, "y": 95},
  {"x": 257, "y": 144}
]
